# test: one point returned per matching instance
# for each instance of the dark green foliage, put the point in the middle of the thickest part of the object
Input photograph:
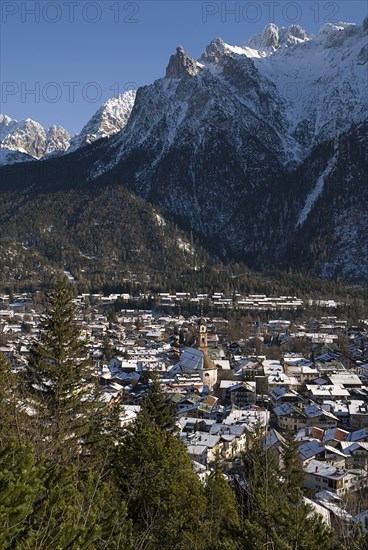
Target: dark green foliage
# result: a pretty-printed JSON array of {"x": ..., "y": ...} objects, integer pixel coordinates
[
  {"x": 77, "y": 512},
  {"x": 164, "y": 497},
  {"x": 13, "y": 420},
  {"x": 43, "y": 508},
  {"x": 60, "y": 381},
  {"x": 274, "y": 510},
  {"x": 222, "y": 520},
  {"x": 20, "y": 486},
  {"x": 156, "y": 408},
  {"x": 90, "y": 232},
  {"x": 107, "y": 349}
]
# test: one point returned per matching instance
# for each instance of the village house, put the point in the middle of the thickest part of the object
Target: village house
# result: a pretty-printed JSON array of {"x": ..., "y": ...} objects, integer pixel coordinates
[
  {"x": 322, "y": 476},
  {"x": 243, "y": 394},
  {"x": 233, "y": 439},
  {"x": 203, "y": 447},
  {"x": 292, "y": 417}
]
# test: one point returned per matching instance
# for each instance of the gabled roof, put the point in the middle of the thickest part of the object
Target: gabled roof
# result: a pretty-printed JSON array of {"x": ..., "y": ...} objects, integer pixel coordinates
[
  {"x": 335, "y": 434},
  {"x": 358, "y": 435},
  {"x": 350, "y": 446},
  {"x": 309, "y": 449},
  {"x": 227, "y": 429},
  {"x": 324, "y": 469}
]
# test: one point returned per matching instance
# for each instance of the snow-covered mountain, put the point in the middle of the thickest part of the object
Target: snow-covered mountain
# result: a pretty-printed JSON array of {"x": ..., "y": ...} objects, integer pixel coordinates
[
  {"x": 28, "y": 140},
  {"x": 322, "y": 78},
  {"x": 290, "y": 88},
  {"x": 9, "y": 156},
  {"x": 112, "y": 116},
  {"x": 259, "y": 149},
  {"x": 284, "y": 87}
]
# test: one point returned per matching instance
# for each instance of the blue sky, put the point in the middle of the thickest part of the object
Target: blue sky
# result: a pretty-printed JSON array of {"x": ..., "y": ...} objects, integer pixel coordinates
[{"x": 61, "y": 59}]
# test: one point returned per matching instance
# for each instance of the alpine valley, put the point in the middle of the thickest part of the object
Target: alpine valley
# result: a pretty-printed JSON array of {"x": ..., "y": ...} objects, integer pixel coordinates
[{"x": 256, "y": 154}]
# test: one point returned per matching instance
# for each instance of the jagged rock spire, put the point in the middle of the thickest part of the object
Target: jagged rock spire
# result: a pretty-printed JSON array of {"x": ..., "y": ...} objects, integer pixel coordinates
[{"x": 180, "y": 65}]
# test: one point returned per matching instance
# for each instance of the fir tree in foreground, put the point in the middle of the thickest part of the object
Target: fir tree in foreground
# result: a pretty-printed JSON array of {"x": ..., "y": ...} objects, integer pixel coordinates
[
  {"x": 14, "y": 422},
  {"x": 275, "y": 514},
  {"x": 43, "y": 508},
  {"x": 222, "y": 523},
  {"x": 60, "y": 382},
  {"x": 164, "y": 497},
  {"x": 20, "y": 486}
]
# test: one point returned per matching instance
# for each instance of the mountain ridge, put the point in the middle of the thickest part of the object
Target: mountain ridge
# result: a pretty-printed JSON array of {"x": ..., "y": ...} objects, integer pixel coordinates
[
  {"x": 28, "y": 140},
  {"x": 256, "y": 176}
]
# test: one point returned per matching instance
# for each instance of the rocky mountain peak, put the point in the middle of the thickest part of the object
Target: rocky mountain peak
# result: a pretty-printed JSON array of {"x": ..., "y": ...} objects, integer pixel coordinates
[
  {"x": 180, "y": 65},
  {"x": 273, "y": 37},
  {"x": 57, "y": 140},
  {"x": 110, "y": 118},
  {"x": 30, "y": 138},
  {"x": 214, "y": 51}
]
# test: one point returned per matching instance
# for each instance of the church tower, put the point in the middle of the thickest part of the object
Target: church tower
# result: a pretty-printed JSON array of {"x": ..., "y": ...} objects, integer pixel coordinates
[
  {"x": 209, "y": 370},
  {"x": 202, "y": 335}
]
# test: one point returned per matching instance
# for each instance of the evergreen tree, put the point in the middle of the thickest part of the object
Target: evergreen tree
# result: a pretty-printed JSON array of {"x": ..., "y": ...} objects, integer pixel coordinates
[
  {"x": 156, "y": 408},
  {"x": 20, "y": 486},
  {"x": 222, "y": 518},
  {"x": 13, "y": 419},
  {"x": 107, "y": 348},
  {"x": 60, "y": 380},
  {"x": 164, "y": 497},
  {"x": 77, "y": 512},
  {"x": 292, "y": 473},
  {"x": 275, "y": 513}
]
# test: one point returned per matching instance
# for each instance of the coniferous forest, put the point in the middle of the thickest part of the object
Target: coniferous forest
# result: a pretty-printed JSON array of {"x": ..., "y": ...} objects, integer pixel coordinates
[{"x": 72, "y": 478}]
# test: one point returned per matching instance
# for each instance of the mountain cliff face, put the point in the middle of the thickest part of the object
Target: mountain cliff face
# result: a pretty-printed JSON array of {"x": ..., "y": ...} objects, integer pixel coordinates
[
  {"x": 258, "y": 149},
  {"x": 112, "y": 116},
  {"x": 284, "y": 89},
  {"x": 323, "y": 78}
]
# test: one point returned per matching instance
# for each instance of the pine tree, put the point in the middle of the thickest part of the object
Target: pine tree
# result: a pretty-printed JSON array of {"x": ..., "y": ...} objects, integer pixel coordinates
[
  {"x": 77, "y": 512},
  {"x": 13, "y": 419},
  {"x": 164, "y": 497},
  {"x": 107, "y": 348},
  {"x": 156, "y": 407},
  {"x": 222, "y": 517},
  {"x": 60, "y": 380},
  {"x": 275, "y": 512},
  {"x": 304, "y": 528},
  {"x": 20, "y": 486},
  {"x": 261, "y": 501}
]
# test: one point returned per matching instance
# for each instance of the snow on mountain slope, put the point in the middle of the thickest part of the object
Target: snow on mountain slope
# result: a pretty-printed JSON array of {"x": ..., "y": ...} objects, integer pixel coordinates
[
  {"x": 297, "y": 88},
  {"x": 30, "y": 138},
  {"x": 8, "y": 156},
  {"x": 57, "y": 140},
  {"x": 7, "y": 125},
  {"x": 323, "y": 78},
  {"x": 315, "y": 192},
  {"x": 220, "y": 94},
  {"x": 284, "y": 87},
  {"x": 112, "y": 116},
  {"x": 223, "y": 147}
]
